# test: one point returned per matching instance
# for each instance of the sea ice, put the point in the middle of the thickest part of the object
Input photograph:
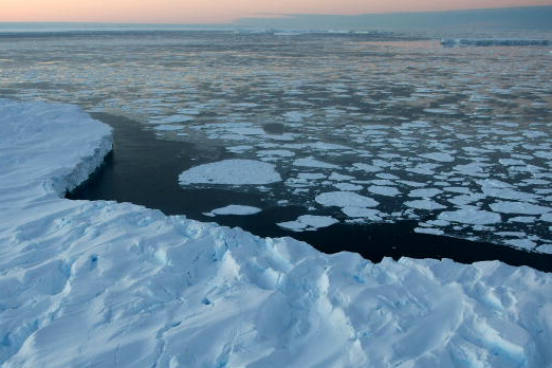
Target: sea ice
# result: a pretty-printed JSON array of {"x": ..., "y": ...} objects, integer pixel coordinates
[
  {"x": 367, "y": 213},
  {"x": 345, "y": 199},
  {"x": 471, "y": 215},
  {"x": 234, "y": 209},
  {"x": 308, "y": 223},
  {"x": 231, "y": 172},
  {"x": 424, "y": 193},
  {"x": 424, "y": 204},
  {"x": 438, "y": 156},
  {"x": 384, "y": 190},
  {"x": 348, "y": 187},
  {"x": 428, "y": 230},
  {"x": 100, "y": 283},
  {"x": 312, "y": 162},
  {"x": 520, "y": 208}
]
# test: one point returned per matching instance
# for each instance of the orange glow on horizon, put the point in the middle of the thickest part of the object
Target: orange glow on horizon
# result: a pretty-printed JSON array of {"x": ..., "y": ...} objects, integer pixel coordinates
[{"x": 219, "y": 11}]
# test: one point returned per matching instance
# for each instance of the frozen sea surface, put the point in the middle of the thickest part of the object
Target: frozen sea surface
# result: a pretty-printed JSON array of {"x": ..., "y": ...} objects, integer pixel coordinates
[
  {"x": 330, "y": 113},
  {"x": 104, "y": 283}
]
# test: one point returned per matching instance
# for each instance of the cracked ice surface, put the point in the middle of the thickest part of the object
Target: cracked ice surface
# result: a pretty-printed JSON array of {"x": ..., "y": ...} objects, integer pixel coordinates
[{"x": 114, "y": 284}]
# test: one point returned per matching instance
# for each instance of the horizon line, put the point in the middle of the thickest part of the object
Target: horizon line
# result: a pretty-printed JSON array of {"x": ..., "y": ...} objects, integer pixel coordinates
[{"x": 277, "y": 16}]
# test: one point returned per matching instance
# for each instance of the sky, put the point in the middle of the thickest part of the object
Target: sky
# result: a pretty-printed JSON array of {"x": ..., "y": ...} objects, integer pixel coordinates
[{"x": 221, "y": 11}]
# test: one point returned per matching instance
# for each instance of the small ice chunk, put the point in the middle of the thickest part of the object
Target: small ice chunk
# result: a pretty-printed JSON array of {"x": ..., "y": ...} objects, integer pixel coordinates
[
  {"x": 312, "y": 162},
  {"x": 234, "y": 209},
  {"x": 523, "y": 219},
  {"x": 231, "y": 172},
  {"x": 459, "y": 190},
  {"x": 357, "y": 212},
  {"x": 424, "y": 193},
  {"x": 348, "y": 187},
  {"x": 545, "y": 248},
  {"x": 308, "y": 223},
  {"x": 427, "y": 230},
  {"x": 311, "y": 176},
  {"x": 438, "y": 156},
  {"x": 462, "y": 200},
  {"x": 521, "y": 243},
  {"x": 366, "y": 167},
  {"x": 345, "y": 199},
  {"x": 239, "y": 149},
  {"x": 521, "y": 208},
  {"x": 340, "y": 177},
  {"x": 471, "y": 215},
  {"x": 410, "y": 183},
  {"x": 384, "y": 190},
  {"x": 424, "y": 204}
]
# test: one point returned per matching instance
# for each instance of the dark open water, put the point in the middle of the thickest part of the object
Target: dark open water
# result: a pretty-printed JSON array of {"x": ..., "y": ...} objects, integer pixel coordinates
[{"x": 144, "y": 170}]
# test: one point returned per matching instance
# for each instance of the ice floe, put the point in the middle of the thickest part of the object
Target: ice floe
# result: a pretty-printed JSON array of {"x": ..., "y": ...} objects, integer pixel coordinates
[
  {"x": 345, "y": 199},
  {"x": 234, "y": 209},
  {"x": 308, "y": 223},
  {"x": 521, "y": 208},
  {"x": 312, "y": 162},
  {"x": 231, "y": 172},
  {"x": 471, "y": 215}
]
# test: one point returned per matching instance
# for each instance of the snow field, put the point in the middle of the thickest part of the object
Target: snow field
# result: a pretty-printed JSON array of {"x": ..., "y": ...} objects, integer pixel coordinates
[{"x": 107, "y": 284}]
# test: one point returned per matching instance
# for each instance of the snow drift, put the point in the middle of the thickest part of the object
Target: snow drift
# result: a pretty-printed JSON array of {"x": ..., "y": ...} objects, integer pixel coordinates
[{"x": 115, "y": 284}]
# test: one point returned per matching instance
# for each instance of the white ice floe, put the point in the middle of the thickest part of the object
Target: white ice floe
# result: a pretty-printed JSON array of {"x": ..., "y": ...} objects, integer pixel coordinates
[
  {"x": 384, "y": 190},
  {"x": 498, "y": 189},
  {"x": 312, "y": 162},
  {"x": 471, "y": 215},
  {"x": 367, "y": 213},
  {"x": 366, "y": 167},
  {"x": 345, "y": 199},
  {"x": 311, "y": 176},
  {"x": 438, "y": 156},
  {"x": 519, "y": 208},
  {"x": 115, "y": 284},
  {"x": 525, "y": 243},
  {"x": 340, "y": 177},
  {"x": 348, "y": 187},
  {"x": 523, "y": 219},
  {"x": 234, "y": 209},
  {"x": 428, "y": 230},
  {"x": 308, "y": 223},
  {"x": 546, "y": 217},
  {"x": 231, "y": 172},
  {"x": 424, "y": 193},
  {"x": 424, "y": 204}
]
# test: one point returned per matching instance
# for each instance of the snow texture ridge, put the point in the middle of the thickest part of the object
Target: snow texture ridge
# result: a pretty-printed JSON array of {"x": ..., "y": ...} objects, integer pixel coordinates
[{"x": 107, "y": 284}]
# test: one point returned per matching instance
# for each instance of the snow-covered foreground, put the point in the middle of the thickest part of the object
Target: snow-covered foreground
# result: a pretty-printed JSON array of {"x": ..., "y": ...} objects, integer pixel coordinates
[{"x": 106, "y": 284}]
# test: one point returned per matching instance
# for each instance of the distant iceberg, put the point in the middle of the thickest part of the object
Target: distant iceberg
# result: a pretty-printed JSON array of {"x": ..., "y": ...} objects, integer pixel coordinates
[{"x": 486, "y": 42}]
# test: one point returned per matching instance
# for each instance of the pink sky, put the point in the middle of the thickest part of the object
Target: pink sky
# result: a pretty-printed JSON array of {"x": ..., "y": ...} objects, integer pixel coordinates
[{"x": 219, "y": 11}]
